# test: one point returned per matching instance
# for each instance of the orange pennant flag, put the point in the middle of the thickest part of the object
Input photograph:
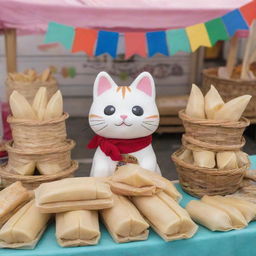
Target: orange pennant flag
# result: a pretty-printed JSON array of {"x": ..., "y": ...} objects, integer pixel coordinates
[
  {"x": 249, "y": 12},
  {"x": 135, "y": 43},
  {"x": 85, "y": 40}
]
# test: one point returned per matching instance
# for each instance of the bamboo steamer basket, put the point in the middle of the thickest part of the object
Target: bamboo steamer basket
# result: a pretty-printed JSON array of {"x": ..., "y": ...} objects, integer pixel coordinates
[
  {"x": 38, "y": 135},
  {"x": 29, "y": 89},
  {"x": 214, "y": 134},
  {"x": 231, "y": 88},
  {"x": 199, "y": 181},
  {"x": 32, "y": 182}
]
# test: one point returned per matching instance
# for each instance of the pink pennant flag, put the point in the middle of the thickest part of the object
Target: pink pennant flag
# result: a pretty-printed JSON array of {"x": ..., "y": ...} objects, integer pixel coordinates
[{"x": 135, "y": 43}]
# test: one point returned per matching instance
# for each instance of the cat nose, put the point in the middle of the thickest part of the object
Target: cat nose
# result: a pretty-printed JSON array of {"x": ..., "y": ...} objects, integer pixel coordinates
[{"x": 123, "y": 117}]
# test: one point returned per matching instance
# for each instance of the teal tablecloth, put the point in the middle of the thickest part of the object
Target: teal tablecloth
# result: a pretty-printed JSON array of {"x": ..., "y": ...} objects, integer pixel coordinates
[{"x": 232, "y": 243}]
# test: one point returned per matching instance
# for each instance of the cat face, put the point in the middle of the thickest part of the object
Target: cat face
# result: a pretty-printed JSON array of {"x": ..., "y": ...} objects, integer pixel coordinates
[{"x": 124, "y": 112}]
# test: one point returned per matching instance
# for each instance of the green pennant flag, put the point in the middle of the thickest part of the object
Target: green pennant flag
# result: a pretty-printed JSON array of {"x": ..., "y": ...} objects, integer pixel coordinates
[
  {"x": 216, "y": 30},
  {"x": 177, "y": 40},
  {"x": 58, "y": 33}
]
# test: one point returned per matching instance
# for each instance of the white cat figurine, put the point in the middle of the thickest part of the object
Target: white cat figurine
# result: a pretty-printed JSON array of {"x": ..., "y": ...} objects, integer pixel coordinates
[{"x": 123, "y": 117}]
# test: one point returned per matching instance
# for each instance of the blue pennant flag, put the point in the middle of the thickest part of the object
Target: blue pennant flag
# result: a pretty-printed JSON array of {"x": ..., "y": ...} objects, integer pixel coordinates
[
  {"x": 157, "y": 43},
  {"x": 58, "y": 33},
  {"x": 234, "y": 21},
  {"x": 107, "y": 43}
]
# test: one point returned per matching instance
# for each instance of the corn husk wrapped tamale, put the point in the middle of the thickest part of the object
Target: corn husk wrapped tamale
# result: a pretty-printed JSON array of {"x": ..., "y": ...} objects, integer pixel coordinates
[
  {"x": 25, "y": 169},
  {"x": 133, "y": 180},
  {"x": 248, "y": 209},
  {"x": 187, "y": 156},
  {"x": 20, "y": 107},
  {"x": 40, "y": 102},
  {"x": 166, "y": 217},
  {"x": 209, "y": 216},
  {"x": 54, "y": 108},
  {"x": 124, "y": 222},
  {"x": 204, "y": 158},
  {"x": 212, "y": 102},
  {"x": 237, "y": 218},
  {"x": 77, "y": 228},
  {"x": 226, "y": 160},
  {"x": 233, "y": 109},
  {"x": 24, "y": 228},
  {"x": 12, "y": 198},
  {"x": 195, "y": 105},
  {"x": 70, "y": 194},
  {"x": 242, "y": 158}
]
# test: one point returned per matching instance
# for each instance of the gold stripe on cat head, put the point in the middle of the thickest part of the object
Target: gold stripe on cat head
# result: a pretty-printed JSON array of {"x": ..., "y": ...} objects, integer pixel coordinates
[{"x": 124, "y": 89}]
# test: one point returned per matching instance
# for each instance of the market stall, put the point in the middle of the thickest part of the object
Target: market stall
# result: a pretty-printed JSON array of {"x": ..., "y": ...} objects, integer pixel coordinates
[{"x": 114, "y": 211}]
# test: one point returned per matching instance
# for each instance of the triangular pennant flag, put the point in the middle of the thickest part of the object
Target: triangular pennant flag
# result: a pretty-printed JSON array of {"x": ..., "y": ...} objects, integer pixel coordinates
[
  {"x": 107, "y": 43},
  {"x": 157, "y": 43},
  {"x": 84, "y": 40},
  {"x": 249, "y": 12},
  {"x": 58, "y": 33},
  {"x": 198, "y": 36},
  {"x": 234, "y": 21},
  {"x": 216, "y": 30},
  {"x": 135, "y": 43},
  {"x": 177, "y": 40}
]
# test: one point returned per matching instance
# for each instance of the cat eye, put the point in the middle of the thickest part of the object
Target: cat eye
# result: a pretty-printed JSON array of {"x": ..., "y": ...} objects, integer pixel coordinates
[
  {"x": 109, "y": 110},
  {"x": 137, "y": 111}
]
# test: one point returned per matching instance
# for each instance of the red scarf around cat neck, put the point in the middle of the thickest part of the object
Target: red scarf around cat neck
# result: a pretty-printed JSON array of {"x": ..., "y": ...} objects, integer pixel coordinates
[{"x": 115, "y": 147}]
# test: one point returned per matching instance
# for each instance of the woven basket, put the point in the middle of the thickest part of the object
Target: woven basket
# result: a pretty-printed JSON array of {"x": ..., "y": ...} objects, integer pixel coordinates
[
  {"x": 38, "y": 135},
  {"x": 32, "y": 182},
  {"x": 60, "y": 157},
  {"x": 231, "y": 88},
  {"x": 198, "y": 181},
  {"x": 223, "y": 135},
  {"x": 29, "y": 90}
]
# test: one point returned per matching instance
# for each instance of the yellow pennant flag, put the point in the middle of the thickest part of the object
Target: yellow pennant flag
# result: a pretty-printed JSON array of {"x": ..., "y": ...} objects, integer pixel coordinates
[{"x": 198, "y": 36}]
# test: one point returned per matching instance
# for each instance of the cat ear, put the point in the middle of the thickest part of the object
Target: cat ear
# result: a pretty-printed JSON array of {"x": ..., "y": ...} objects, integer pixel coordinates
[
  {"x": 145, "y": 83},
  {"x": 103, "y": 83}
]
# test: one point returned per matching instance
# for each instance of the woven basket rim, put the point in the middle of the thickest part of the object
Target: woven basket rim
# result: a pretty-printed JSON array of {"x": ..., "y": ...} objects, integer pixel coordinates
[
  {"x": 38, "y": 178},
  {"x": 243, "y": 122},
  {"x": 190, "y": 142},
  {"x": 211, "y": 171},
  {"x": 52, "y": 81},
  {"x": 206, "y": 72},
  {"x": 29, "y": 122},
  {"x": 68, "y": 145}
]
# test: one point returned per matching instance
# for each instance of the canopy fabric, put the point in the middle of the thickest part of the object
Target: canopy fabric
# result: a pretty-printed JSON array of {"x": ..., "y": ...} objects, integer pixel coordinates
[{"x": 32, "y": 16}]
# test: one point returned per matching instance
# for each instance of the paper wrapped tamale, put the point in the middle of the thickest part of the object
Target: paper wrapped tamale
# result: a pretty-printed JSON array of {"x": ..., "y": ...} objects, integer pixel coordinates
[
  {"x": 226, "y": 160},
  {"x": 77, "y": 228},
  {"x": 212, "y": 102},
  {"x": 133, "y": 180},
  {"x": 124, "y": 222},
  {"x": 237, "y": 218},
  {"x": 195, "y": 105},
  {"x": 24, "y": 228},
  {"x": 248, "y": 209},
  {"x": 204, "y": 158},
  {"x": 83, "y": 193},
  {"x": 209, "y": 216},
  {"x": 233, "y": 109},
  {"x": 166, "y": 217},
  {"x": 11, "y": 199}
]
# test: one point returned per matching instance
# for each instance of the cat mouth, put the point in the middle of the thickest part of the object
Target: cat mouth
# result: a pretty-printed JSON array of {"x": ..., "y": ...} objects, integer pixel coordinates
[{"x": 123, "y": 123}]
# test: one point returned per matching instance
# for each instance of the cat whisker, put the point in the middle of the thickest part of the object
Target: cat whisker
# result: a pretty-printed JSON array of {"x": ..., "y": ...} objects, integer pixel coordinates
[
  {"x": 95, "y": 120},
  {"x": 146, "y": 128},
  {"x": 97, "y": 124},
  {"x": 150, "y": 121},
  {"x": 102, "y": 128},
  {"x": 150, "y": 124}
]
